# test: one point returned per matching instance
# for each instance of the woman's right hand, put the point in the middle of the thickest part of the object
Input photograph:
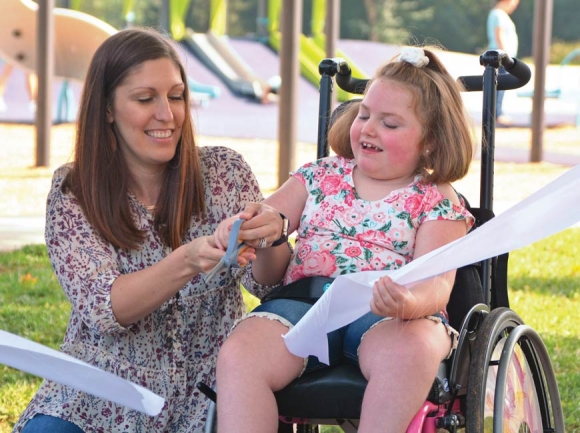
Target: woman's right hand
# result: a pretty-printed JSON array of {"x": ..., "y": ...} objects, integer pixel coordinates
[{"x": 202, "y": 254}]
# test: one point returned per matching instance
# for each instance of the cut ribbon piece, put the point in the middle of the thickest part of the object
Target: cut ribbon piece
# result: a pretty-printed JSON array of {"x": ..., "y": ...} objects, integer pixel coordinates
[
  {"x": 549, "y": 210},
  {"x": 230, "y": 259}
]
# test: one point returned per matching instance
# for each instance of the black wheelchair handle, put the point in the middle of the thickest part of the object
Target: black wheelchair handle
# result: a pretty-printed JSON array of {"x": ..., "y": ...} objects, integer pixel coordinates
[
  {"x": 333, "y": 66},
  {"x": 347, "y": 82},
  {"x": 519, "y": 72}
]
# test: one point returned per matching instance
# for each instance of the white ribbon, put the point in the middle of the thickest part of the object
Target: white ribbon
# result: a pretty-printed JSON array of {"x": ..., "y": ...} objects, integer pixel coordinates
[
  {"x": 18, "y": 352},
  {"x": 548, "y": 211}
]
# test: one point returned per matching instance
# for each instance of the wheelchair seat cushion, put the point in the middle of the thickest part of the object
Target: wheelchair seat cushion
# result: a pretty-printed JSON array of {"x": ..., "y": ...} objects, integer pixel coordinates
[
  {"x": 332, "y": 393},
  {"x": 337, "y": 393}
]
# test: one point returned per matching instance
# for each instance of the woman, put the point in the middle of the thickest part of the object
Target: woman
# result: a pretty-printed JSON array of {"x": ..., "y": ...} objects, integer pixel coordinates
[{"x": 129, "y": 232}]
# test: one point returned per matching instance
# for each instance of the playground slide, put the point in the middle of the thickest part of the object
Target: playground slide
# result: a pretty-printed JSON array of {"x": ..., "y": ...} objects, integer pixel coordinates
[
  {"x": 310, "y": 54},
  {"x": 216, "y": 53},
  {"x": 76, "y": 37},
  {"x": 312, "y": 49}
]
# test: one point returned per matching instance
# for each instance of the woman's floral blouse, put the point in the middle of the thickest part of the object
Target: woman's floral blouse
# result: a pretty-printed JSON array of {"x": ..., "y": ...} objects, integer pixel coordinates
[
  {"x": 168, "y": 351},
  {"x": 340, "y": 233}
]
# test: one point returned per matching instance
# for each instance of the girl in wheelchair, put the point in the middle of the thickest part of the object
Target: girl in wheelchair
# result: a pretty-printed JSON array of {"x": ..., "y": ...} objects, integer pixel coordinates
[{"x": 383, "y": 200}]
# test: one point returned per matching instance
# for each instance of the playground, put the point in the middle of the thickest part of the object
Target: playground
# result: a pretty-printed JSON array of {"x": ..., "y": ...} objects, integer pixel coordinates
[
  {"x": 24, "y": 187},
  {"x": 234, "y": 78}
]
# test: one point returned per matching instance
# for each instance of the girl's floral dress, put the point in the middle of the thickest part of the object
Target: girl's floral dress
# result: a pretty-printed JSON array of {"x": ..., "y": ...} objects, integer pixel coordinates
[
  {"x": 340, "y": 233},
  {"x": 168, "y": 351}
]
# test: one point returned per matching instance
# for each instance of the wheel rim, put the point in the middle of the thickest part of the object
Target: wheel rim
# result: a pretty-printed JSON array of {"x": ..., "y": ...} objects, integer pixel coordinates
[{"x": 521, "y": 411}]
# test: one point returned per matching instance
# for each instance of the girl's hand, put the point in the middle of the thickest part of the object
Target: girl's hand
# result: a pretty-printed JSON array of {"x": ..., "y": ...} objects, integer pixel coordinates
[
  {"x": 262, "y": 222},
  {"x": 222, "y": 237},
  {"x": 393, "y": 300}
]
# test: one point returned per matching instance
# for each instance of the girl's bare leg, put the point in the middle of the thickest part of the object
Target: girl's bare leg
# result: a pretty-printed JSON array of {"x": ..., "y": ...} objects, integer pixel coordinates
[
  {"x": 252, "y": 364},
  {"x": 400, "y": 361}
]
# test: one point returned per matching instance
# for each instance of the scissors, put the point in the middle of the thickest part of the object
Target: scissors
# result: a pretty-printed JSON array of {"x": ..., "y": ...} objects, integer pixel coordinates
[{"x": 235, "y": 248}]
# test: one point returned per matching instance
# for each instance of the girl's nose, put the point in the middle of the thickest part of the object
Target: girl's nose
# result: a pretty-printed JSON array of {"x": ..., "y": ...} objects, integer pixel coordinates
[{"x": 368, "y": 127}]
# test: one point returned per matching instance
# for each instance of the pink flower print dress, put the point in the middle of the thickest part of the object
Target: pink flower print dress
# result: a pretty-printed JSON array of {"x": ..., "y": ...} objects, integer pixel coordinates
[{"x": 340, "y": 233}]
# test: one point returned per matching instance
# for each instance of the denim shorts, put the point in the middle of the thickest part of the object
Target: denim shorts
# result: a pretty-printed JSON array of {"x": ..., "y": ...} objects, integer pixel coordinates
[
  {"x": 46, "y": 423},
  {"x": 343, "y": 343}
]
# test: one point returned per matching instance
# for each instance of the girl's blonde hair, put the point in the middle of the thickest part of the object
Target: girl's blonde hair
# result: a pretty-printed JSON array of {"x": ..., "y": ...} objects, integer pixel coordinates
[{"x": 447, "y": 144}]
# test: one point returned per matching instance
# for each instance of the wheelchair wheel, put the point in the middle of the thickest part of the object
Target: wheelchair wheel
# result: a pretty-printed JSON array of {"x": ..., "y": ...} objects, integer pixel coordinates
[{"x": 511, "y": 385}]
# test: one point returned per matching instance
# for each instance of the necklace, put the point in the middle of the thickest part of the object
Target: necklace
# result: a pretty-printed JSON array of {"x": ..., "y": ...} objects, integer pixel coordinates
[{"x": 150, "y": 208}]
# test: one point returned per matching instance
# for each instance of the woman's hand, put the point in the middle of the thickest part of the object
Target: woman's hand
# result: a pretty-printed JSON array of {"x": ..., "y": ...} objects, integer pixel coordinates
[
  {"x": 393, "y": 300},
  {"x": 222, "y": 233},
  {"x": 202, "y": 254}
]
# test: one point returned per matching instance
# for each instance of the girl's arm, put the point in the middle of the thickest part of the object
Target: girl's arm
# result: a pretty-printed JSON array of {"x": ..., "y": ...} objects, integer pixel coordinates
[
  {"x": 430, "y": 296},
  {"x": 264, "y": 221}
]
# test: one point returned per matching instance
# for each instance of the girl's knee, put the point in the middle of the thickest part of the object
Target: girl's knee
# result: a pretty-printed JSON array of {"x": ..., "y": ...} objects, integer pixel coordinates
[
  {"x": 427, "y": 336},
  {"x": 252, "y": 340},
  {"x": 406, "y": 340}
]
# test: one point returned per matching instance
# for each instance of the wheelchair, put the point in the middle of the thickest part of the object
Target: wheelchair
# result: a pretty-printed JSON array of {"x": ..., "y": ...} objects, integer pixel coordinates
[{"x": 500, "y": 378}]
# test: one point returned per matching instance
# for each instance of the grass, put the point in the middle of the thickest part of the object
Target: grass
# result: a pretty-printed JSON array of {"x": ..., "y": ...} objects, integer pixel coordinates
[{"x": 544, "y": 281}]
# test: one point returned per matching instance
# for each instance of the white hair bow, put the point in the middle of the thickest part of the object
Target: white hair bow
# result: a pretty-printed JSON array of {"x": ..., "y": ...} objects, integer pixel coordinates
[{"x": 414, "y": 55}]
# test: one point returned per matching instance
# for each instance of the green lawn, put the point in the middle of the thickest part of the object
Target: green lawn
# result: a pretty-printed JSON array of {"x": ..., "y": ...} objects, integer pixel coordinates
[{"x": 544, "y": 282}]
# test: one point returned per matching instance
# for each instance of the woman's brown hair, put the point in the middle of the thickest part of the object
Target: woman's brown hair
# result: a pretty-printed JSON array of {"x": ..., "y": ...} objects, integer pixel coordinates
[
  {"x": 99, "y": 177},
  {"x": 447, "y": 142}
]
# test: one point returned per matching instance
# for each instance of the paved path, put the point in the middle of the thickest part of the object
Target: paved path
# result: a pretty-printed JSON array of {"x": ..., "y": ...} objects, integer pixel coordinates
[{"x": 16, "y": 232}]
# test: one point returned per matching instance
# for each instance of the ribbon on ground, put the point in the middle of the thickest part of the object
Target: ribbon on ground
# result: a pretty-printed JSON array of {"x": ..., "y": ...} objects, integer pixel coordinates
[
  {"x": 549, "y": 210},
  {"x": 18, "y": 352}
]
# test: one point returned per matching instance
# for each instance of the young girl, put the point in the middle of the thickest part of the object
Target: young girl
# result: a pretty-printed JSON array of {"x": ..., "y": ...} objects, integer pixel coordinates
[{"x": 382, "y": 201}]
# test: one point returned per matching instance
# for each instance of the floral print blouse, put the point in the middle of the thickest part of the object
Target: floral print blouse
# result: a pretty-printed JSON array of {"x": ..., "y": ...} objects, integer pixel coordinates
[
  {"x": 168, "y": 351},
  {"x": 340, "y": 233}
]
